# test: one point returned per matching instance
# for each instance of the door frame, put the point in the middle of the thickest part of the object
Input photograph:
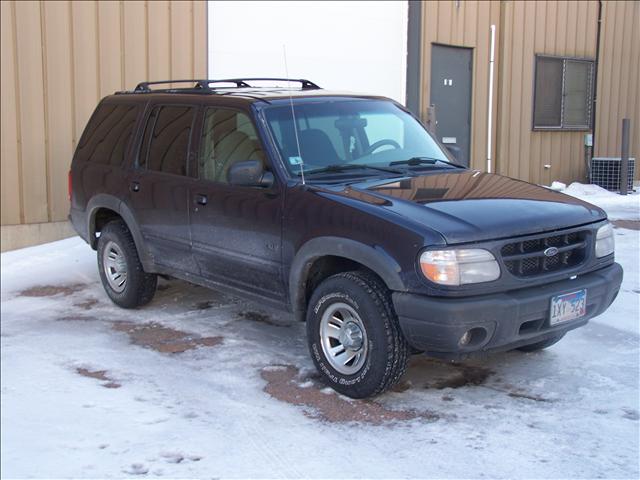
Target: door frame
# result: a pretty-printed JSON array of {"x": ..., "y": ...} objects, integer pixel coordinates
[
  {"x": 136, "y": 173},
  {"x": 471, "y": 90},
  {"x": 276, "y": 191}
]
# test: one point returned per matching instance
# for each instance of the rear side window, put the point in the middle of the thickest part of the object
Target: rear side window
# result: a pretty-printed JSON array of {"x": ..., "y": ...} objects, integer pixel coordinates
[
  {"x": 167, "y": 139},
  {"x": 108, "y": 134}
]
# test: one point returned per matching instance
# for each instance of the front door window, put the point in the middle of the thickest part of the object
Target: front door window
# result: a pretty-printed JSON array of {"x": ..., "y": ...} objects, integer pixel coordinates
[{"x": 228, "y": 137}]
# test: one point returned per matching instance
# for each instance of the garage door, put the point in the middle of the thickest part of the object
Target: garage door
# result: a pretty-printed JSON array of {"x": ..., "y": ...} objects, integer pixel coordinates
[{"x": 356, "y": 46}]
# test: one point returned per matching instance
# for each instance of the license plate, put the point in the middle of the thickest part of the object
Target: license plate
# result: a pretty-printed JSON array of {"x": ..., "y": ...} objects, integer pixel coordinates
[{"x": 568, "y": 307}]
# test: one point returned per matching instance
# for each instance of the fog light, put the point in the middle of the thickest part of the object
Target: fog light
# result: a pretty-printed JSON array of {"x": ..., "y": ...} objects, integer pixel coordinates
[
  {"x": 473, "y": 337},
  {"x": 466, "y": 338}
]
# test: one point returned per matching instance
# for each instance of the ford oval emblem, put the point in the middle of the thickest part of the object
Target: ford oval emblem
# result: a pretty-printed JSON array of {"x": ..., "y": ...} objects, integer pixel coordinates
[{"x": 550, "y": 252}]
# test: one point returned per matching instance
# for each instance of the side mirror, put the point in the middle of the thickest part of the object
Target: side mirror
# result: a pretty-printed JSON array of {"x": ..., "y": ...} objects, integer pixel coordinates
[
  {"x": 454, "y": 151},
  {"x": 249, "y": 173}
]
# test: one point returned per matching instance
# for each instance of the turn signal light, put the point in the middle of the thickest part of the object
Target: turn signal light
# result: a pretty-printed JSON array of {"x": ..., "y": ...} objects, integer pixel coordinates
[{"x": 459, "y": 267}]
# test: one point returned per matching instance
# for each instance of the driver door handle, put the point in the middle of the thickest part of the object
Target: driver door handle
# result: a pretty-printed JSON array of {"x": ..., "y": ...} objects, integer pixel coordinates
[{"x": 201, "y": 199}]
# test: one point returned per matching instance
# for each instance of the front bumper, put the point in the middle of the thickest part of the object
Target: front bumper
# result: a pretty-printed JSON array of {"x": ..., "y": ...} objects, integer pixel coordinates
[{"x": 501, "y": 321}]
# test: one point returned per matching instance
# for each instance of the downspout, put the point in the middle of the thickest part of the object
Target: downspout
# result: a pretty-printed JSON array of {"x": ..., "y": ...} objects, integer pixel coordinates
[
  {"x": 490, "y": 110},
  {"x": 595, "y": 81},
  {"x": 414, "y": 58}
]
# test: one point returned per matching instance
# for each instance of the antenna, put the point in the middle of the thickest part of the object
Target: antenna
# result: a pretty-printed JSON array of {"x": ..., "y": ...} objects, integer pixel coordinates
[{"x": 293, "y": 115}]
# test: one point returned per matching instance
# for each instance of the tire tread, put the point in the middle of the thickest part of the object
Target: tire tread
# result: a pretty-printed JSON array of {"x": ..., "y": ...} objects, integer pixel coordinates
[
  {"x": 143, "y": 283},
  {"x": 398, "y": 350}
]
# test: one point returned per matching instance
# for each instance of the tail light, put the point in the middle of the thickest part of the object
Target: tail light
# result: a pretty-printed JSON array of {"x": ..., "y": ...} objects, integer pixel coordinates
[{"x": 70, "y": 185}]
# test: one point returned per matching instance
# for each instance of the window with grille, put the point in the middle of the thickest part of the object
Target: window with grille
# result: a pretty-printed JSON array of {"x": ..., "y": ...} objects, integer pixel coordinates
[{"x": 563, "y": 93}]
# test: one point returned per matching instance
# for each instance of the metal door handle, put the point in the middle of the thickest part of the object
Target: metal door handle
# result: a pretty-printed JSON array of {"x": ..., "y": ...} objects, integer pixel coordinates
[
  {"x": 135, "y": 186},
  {"x": 201, "y": 199}
]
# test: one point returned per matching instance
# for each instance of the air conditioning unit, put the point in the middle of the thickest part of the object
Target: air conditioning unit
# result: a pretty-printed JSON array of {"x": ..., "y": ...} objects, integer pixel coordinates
[{"x": 605, "y": 172}]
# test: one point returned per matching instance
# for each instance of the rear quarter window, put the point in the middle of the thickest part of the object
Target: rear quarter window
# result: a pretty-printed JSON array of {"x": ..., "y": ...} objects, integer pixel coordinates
[{"x": 108, "y": 135}]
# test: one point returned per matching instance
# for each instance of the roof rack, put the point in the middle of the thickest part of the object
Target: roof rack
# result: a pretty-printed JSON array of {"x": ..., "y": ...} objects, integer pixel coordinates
[
  {"x": 204, "y": 85},
  {"x": 304, "y": 83}
]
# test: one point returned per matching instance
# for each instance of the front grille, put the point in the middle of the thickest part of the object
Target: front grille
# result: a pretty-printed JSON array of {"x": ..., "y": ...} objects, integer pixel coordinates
[{"x": 527, "y": 258}]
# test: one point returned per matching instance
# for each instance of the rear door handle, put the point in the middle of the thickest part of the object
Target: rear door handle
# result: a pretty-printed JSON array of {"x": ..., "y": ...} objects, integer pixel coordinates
[
  {"x": 201, "y": 199},
  {"x": 135, "y": 186}
]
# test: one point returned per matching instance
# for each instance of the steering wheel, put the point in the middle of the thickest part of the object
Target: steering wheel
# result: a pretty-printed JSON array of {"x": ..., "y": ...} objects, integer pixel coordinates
[{"x": 381, "y": 143}]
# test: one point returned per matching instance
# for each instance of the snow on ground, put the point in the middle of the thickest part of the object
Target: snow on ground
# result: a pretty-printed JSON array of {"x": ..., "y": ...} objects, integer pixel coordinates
[
  {"x": 199, "y": 384},
  {"x": 623, "y": 211},
  {"x": 617, "y": 206}
]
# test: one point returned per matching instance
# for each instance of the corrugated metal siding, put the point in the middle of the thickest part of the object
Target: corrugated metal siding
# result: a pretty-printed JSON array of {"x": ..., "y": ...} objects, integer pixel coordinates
[
  {"x": 58, "y": 60},
  {"x": 524, "y": 29},
  {"x": 619, "y": 79},
  {"x": 10, "y": 127},
  {"x": 560, "y": 28},
  {"x": 464, "y": 24}
]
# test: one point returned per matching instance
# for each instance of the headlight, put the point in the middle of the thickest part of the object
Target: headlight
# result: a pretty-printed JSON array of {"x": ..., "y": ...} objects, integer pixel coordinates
[
  {"x": 458, "y": 267},
  {"x": 605, "y": 244}
]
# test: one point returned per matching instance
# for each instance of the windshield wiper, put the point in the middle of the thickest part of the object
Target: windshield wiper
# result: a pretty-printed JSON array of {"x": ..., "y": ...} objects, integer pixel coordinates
[
  {"x": 417, "y": 161},
  {"x": 337, "y": 168}
]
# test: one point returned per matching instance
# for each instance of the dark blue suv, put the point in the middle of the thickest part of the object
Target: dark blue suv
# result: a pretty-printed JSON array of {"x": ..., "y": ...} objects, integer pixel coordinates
[{"x": 340, "y": 208}]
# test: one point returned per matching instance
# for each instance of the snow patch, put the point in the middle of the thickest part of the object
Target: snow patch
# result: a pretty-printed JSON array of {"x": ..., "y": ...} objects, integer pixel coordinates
[
  {"x": 255, "y": 395},
  {"x": 617, "y": 206}
]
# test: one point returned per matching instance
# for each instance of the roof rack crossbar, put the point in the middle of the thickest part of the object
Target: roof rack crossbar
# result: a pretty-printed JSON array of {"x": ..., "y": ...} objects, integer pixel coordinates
[
  {"x": 305, "y": 84},
  {"x": 204, "y": 84}
]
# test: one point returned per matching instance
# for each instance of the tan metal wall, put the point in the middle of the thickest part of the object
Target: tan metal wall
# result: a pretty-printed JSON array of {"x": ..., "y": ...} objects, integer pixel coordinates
[
  {"x": 58, "y": 59},
  {"x": 464, "y": 24},
  {"x": 619, "y": 79},
  {"x": 526, "y": 28},
  {"x": 564, "y": 28}
]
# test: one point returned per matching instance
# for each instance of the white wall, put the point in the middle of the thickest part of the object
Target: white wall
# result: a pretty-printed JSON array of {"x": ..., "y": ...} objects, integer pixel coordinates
[{"x": 355, "y": 46}]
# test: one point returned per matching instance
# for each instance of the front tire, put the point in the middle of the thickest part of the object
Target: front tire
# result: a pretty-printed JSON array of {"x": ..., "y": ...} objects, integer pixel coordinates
[
  {"x": 534, "y": 347},
  {"x": 121, "y": 272},
  {"x": 353, "y": 335}
]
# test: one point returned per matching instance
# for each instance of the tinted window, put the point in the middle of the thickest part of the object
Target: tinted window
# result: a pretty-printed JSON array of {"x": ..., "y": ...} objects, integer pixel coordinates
[
  {"x": 108, "y": 134},
  {"x": 148, "y": 130},
  {"x": 166, "y": 140},
  {"x": 228, "y": 137}
]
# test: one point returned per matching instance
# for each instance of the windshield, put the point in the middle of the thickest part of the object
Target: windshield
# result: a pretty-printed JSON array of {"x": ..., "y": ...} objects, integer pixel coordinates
[{"x": 350, "y": 133}]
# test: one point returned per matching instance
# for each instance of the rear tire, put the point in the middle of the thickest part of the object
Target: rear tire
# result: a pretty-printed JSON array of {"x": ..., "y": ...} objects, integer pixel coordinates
[
  {"x": 534, "y": 347},
  {"x": 121, "y": 272},
  {"x": 353, "y": 335}
]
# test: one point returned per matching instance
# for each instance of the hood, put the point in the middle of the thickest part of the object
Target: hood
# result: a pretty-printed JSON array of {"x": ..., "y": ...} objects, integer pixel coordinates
[{"x": 470, "y": 206}]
